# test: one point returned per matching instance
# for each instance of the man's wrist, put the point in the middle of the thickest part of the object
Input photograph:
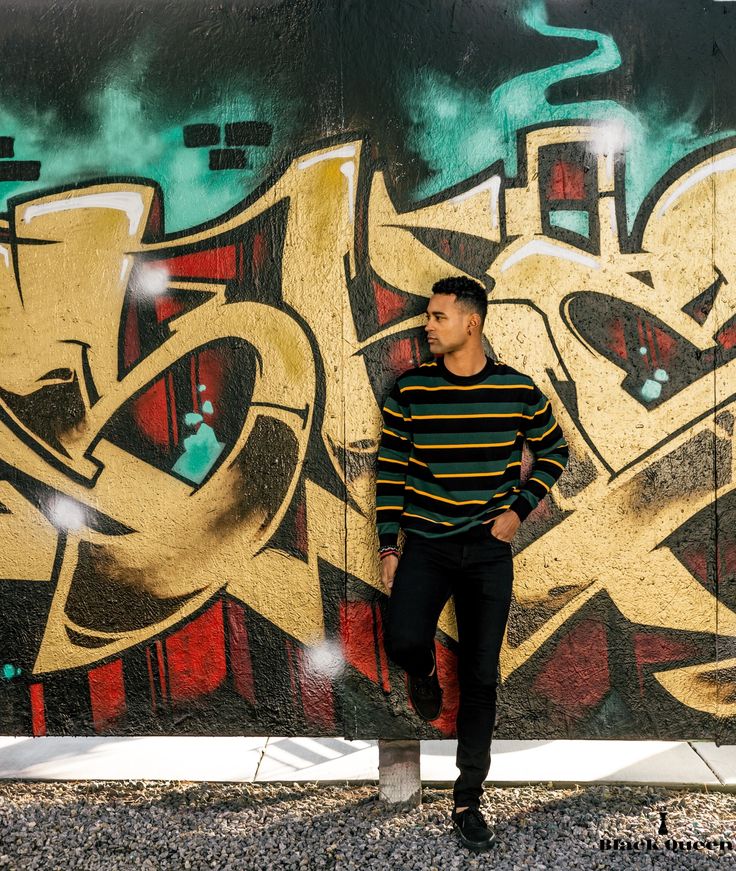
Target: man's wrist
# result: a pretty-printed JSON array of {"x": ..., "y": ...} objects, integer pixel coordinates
[{"x": 388, "y": 550}]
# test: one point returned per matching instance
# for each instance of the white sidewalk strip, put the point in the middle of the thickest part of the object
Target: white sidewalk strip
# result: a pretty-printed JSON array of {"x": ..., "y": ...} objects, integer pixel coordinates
[
  {"x": 660, "y": 762},
  {"x": 144, "y": 758},
  {"x": 299, "y": 759},
  {"x": 339, "y": 760},
  {"x": 721, "y": 759}
]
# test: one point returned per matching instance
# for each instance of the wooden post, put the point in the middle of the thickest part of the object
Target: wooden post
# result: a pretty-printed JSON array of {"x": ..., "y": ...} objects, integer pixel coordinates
[{"x": 399, "y": 779}]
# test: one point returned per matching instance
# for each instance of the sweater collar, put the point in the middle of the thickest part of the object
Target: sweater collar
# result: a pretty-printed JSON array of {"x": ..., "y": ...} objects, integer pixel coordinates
[{"x": 465, "y": 379}]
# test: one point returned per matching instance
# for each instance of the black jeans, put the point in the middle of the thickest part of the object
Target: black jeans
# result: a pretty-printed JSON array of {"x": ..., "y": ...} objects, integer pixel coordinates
[{"x": 478, "y": 571}]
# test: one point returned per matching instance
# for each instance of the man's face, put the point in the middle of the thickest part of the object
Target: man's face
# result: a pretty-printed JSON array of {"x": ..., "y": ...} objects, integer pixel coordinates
[{"x": 447, "y": 323}]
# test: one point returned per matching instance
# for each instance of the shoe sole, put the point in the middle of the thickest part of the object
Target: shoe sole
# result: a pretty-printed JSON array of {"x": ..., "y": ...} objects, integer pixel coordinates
[{"x": 473, "y": 845}]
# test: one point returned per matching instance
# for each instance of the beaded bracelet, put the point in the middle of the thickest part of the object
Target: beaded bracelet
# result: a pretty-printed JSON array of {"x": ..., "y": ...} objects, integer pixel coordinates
[{"x": 388, "y": 551}]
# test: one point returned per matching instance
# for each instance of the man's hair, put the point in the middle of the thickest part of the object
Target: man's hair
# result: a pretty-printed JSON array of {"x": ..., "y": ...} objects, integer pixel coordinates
[{"x": 470, "y": 294}]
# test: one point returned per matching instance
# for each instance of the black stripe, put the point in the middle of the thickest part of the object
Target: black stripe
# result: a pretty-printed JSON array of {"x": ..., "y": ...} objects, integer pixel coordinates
[
  {"x": 394, "y": 422},
  {"x": 536, "y": 488},
  {"x": 394, "y": 443},
  {"x": 435, "y": 529},
  {"x": 446, "y": 510},
  {"x": 508, "y": 425},
  {"x": 548, "y": 441},
  {"x": 466, "y": 455},
  {"x": 562, "y": 452},
  {"x": 541, "y": 420},
  {"x": 490, "y": 483},
  {"x": 385, "y": 465}
]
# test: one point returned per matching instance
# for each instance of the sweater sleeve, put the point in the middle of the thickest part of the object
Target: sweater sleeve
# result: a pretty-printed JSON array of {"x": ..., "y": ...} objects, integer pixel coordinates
[
  {"x": 546, "y": 442},
  {"x": 393, "y": 460}
]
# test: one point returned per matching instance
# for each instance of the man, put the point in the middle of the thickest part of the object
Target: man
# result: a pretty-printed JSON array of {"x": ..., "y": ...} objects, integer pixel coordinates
[{"x": 449, "y": 475}]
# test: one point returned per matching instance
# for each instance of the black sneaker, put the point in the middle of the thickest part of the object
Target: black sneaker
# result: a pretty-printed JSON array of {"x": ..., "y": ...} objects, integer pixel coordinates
[
  {"x": 426, "y": 695},
  {"x": 473, "y": 831}
]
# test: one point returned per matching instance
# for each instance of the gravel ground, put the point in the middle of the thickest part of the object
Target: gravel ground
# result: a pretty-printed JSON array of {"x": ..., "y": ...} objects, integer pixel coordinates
[{"x": 151, "y": 826}]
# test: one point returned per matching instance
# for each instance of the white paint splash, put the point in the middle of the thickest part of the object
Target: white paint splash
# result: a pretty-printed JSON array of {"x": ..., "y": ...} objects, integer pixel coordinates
[
  {"x": 325, "y": 659},
  {"x": 67, "y": 514},
  {"x": 152, "y": 281}
]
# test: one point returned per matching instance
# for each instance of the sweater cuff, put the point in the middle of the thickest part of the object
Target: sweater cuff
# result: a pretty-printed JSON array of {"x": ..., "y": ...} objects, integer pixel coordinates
[
  {"x": 388, "y": 539},
  {"x": 521, "y": 507}
]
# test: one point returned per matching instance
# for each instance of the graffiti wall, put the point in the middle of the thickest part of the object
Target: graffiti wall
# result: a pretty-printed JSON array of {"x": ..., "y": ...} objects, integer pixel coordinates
[{"x": 220, "y": 228}]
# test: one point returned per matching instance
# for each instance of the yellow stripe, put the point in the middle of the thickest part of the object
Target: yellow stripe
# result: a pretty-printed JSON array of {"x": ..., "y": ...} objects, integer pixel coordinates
[
  {"x": 474, "y": 387},
  {"x": 546, "y": 460},
  {"x": 546, "y": 486},
  {"x": 541, "y": 411},
  {"x": 395, "y": 414},
  {"x": 395, "y": 434},
  {"x": 451, "y": 501},
  {"x": 483, "y": 445},
  {"x": 473, "y": 474},
  {"x": 497, "y": 508},
  {"x": 427, "y": 365},
  {"x": 389, "y": 460},
  {"x": 386, "y": 481},
  {"x": 389, "y": 507},
  {"x": 469, "y": 474},
  {"x": 466, "y": 416},
  {"x": 419, "y": 463},
  {"x": 428, "y": 519},
  {"x": 539, "y": 438}
]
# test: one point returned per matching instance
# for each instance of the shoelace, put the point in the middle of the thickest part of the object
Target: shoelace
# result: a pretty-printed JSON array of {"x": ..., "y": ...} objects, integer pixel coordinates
[
  {"x": 476, "y": 815},
  {"x": 424, "y": 686}
]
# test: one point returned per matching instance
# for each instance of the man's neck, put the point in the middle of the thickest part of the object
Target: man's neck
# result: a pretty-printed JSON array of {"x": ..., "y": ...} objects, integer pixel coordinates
[{"x": 466, "y": 361}]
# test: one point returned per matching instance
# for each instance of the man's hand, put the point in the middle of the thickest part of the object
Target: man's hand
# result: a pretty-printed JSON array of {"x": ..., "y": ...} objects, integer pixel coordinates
[
  {"x": 389, "y": 564},
  {"x": 505, "y": 525}
]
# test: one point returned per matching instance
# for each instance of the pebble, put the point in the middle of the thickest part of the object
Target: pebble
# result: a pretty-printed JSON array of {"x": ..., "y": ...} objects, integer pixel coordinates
[{"x": 169, "y": 825}]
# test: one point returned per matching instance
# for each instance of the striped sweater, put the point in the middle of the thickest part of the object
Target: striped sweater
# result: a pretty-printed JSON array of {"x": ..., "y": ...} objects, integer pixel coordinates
[{"x": 451, "y": 445}]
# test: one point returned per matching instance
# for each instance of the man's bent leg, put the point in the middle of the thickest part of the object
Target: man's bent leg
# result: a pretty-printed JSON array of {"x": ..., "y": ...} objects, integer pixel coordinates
[
  {"x": 482, "y": 599},
  {"x": 421, "y": 588}
]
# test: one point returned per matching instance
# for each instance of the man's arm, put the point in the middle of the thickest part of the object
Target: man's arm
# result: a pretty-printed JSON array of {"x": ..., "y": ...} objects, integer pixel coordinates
[
  {"x": 544, "y": 438},
  {"x": 393, "y": 460}
]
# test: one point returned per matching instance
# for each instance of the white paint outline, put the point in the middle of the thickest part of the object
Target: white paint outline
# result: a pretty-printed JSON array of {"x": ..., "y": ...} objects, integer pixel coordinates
[
  {"x": 492, "y": 184},
  {"x": 721, "y": 165},
  {"x": 123, "y": 201},
  {"x": 546, "y": 249},
  {"x": 345, "y": 151},
  {"x": 348, "y": 170}
]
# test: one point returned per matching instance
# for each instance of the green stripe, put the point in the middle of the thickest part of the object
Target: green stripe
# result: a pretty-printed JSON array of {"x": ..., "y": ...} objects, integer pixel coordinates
[
  {"x": 483, "y": 493},
  {"x": 474, "y": 467},
  {"x": 489, "y": 439},
  {"x": 419, "y": 407},
  {"x": 429, "y": 378}
]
